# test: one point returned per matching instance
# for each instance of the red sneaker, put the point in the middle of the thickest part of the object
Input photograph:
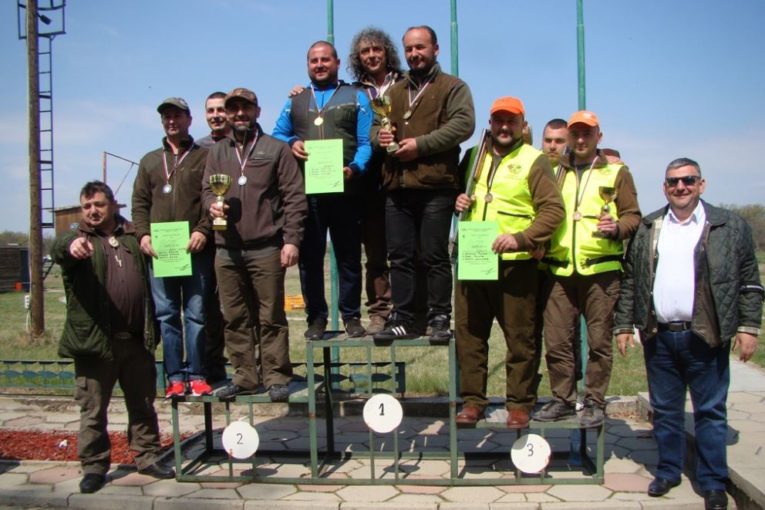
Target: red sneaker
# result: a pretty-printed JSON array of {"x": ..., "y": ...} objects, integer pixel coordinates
[
  {"x": 200, "y": 387},
  {"x": 176, "y": 389}
]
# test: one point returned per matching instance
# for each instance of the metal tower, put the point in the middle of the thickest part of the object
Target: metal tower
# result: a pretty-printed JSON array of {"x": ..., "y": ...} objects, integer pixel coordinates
[{"x": 51, "y": 15}]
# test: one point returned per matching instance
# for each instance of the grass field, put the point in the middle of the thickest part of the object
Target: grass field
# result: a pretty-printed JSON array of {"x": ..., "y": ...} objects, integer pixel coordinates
[{"x": 426, "y": 367}]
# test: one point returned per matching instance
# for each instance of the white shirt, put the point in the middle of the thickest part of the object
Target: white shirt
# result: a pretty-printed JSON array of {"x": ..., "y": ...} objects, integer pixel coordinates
[{"x": 674, "y": 286}]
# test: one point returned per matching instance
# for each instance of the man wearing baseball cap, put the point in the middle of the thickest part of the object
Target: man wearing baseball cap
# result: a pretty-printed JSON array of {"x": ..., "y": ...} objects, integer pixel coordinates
[
  {"x": 514, "y": 186},
  {"x": 168, "y": 188},
  {"x": 585, "y": 261},
  {"x": 265, "y": 208}
]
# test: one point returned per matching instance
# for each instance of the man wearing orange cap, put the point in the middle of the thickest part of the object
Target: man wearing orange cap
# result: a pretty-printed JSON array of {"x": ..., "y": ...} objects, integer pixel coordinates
[
  {"x": 585, "y": 261},
  {"x": 515, "y": 187}
]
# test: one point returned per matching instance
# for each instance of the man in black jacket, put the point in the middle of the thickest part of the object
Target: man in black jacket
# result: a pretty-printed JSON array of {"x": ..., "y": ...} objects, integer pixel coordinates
[{"x": 690, "y": 285}]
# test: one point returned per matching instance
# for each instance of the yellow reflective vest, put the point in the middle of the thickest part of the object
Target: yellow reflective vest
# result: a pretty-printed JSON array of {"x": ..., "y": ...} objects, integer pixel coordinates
[
  {"x": 573, "y": 245},
  {"x": 509, "y": 197}
]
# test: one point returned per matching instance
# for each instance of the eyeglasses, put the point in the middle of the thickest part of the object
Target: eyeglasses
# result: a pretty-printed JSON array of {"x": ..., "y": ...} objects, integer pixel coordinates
[{"x": 688, "y": 180}]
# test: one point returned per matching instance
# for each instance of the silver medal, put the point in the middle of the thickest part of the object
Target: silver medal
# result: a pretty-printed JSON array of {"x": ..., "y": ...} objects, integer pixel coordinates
[
  {"x": 167, "y": 188},
  {"x": 407, "y": 114},
  {"x": 242, "y": 180},
  {"x": 577, "y": 216},
  {"x": 488, "y": 198},
  {"x": 113, "y": 242}
]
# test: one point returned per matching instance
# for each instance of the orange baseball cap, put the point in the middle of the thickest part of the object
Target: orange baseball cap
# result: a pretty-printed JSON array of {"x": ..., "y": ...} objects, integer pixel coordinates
[
  {"x": 584, "y": 117},
  {"x": 508, "y": 104}
]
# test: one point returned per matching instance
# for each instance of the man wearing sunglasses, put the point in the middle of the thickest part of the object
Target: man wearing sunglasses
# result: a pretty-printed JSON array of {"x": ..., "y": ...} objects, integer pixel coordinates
[{"x": 690, "y": 286}]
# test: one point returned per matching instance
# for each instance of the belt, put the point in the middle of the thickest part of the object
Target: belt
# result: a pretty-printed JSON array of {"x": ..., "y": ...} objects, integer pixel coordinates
[{"x": 675, "y": 326}]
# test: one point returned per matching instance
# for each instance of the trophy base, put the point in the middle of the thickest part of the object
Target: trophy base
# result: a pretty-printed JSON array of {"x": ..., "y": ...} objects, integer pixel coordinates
[
  {"x": 392, "y": 148},
  {"x": 219, "y": 224}
]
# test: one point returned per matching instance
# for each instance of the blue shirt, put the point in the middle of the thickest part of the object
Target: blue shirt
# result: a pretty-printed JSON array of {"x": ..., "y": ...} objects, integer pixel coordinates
[{"x": 364, "y": 116}]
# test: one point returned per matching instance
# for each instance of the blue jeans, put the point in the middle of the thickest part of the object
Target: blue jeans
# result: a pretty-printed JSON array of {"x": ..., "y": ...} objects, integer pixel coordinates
[
  {"x": 170, "y": 293},
  {"x": 417, "y": 221},
  {"x": 675, "y": 361},
  {"x": 340, "y": 213}
]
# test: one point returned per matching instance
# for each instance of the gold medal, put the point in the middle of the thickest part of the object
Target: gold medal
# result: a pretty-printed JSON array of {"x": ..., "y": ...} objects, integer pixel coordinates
[
  {"x": 488, "y": 198},
  {"x": 318, "y": 121},
  {"x": 577, "y": 216},
  {"x": 407, "y": 114}
]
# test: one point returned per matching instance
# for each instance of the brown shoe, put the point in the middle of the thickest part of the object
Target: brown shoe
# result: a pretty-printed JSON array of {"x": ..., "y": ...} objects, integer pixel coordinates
[
  {"x": 376, "y": 324},
  {"x": 517, "y": 418},
  {"x": 469, "y": 416}
]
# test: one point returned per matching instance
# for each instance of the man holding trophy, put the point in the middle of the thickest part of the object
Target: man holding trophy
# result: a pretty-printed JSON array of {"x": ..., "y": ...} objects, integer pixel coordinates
[
  {"x": 585, "y": 261},
  {"x": 253, "y": 190}
]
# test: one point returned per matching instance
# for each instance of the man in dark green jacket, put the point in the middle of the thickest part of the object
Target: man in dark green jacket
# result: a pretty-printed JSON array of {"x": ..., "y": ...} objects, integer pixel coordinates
[
  {"x": 690, "y": 285},
  {"x": 110, "y": 333}
]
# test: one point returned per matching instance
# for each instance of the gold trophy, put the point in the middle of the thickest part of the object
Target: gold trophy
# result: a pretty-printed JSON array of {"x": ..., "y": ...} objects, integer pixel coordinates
[
  {"x": 607, "y": 194},
  {"x": 381, "y": 106},
  {"x": 219, "y": 184}
]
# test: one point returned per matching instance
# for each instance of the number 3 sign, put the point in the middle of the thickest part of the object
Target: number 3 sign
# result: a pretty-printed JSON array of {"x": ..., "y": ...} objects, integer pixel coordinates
[
  {"x": 531, "y": 453},
  {"x": 383, "y": 413}
]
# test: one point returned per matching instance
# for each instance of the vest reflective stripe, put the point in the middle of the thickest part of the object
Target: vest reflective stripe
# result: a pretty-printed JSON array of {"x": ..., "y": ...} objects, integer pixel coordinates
[
  {"x": 511, "y": 206},
  {"x": 573, "y": 244}
]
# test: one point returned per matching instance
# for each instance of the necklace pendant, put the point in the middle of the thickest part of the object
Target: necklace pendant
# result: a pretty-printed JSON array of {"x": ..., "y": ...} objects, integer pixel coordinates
[
  {"x": 407, "y": 114},
  {"x": 242, "y": 180},
  {"x": 488, "y": 198},
  {"x": 577, "y": 216},
  {"x": 167, "y": 188},
  {"x": 318, "y": 121}
]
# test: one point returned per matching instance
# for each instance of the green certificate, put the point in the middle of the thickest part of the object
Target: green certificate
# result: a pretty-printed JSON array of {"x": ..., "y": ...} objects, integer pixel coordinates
[
  {"x": 475, "y": 260},
  {"x": 324, "y": 166},
  {"x": 170, "y": 240}
]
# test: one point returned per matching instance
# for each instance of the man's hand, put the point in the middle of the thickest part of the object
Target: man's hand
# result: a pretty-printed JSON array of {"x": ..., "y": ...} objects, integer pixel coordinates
[
  {"x": 504, "y": 243},
  {"x": 537, "y": 253},
  {"x": 386, "y": 137},
  {"x": 289, "y": 255},
  {"x": 347, "y": 172},
  {"x": 197, "y": 242},
  {"x": 747, "y": 343},
  {"x": 81, "y": 248},
  {"x": 218, "y": 211},
  {"x": 463, "y": 203},
  {"x": 623, "y": 340},
  {"x": 297, "y": 89},
  {"x": 298, "y": 150},
  {"x": 146, "y": 247},
  {"x": 408, "y": 149},
  {"x": 608, "y": 226}
]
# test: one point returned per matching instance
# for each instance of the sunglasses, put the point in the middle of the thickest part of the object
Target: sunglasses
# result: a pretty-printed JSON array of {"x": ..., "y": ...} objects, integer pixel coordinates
[{"x": 688, "y": 180}]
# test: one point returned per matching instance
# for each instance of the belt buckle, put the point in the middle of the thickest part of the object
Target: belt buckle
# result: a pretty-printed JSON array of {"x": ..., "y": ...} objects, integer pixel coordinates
[{"x": 677, "y": 326}]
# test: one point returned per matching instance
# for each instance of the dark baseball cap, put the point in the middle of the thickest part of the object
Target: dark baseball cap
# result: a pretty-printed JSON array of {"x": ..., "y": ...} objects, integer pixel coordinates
[
  {"x": 178, "y": 102},
  {"x": 242, "y": 93}
]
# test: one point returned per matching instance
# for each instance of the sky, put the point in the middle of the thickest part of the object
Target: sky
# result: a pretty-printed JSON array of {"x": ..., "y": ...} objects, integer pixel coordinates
[{"x": 667, "y": 78}]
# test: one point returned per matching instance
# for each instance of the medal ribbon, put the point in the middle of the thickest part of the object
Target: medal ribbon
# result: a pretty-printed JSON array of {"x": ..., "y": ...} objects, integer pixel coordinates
[
  {"x": 413, "y": 100},
  {"x": 580, "y": 192},
  {"x": 243, "y": 161},
  {"x": 176, "y": 163},
  {"x": 316, "y": 101}
]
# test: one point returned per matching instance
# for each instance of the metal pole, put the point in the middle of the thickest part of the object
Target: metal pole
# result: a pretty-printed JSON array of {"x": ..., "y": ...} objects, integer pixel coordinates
[
  {"x": 334, "y": 285},
  {"x": 331, "y": 21},
  {"x": 580, "y": 54},
  {"x": 455, "y": 40},
  {"x": 37, "y": 311}
]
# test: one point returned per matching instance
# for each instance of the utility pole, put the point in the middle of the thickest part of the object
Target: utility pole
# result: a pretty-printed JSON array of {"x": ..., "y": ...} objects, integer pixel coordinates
[{"x": 37, "y": 309}]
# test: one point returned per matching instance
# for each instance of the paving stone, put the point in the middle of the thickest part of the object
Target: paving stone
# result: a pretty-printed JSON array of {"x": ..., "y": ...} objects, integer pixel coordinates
[
  {"x": 626, "y": 482},
  {"x": 617, "y": 465},
  {"x": 515, "y": 505},
  {"x": 580, "y": 492},
  {"x": 659, "y": 504},
  {"x": 541, "y": 497},
  {"x": 471, "y": 495},
  {"x": 170, "y": 489},
  {"x": 131, "y": 479},
  {"x": 318, "y": 488},
  {"x": 593, "y": 505},
  {"x": 14, "y": 479},
  {"x": 198, "y": 504},
  {"x": 214, "y": 494},
  {"x": 269, "y": 505},
  {"x": 400, "y": 502},
  {"x": 367, "y": 493},
  {"x": 527, "y": 489},
  {"x": 421, "y": 489},
  {"x": 510, "y": 498},
  {"x": 101, "y": 500},
  {"x": 121, "y": 490},
  {"x": 314, "y": 497},
  {"x": 33, "y": 496},
  {"x": 265, "y": 491},
  {"x": 464, "y": 506}
]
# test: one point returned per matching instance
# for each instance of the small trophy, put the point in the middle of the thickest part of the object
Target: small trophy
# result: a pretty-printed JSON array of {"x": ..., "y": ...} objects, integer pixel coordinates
[
  {"x": 607, "y": 194},
  {"x": 219, "y": 183},
  {"x": 381, "y": 106}
]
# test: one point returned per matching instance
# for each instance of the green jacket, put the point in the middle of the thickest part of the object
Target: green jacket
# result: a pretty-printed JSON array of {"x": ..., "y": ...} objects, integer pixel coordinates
[
  {"x": 728, "y": 294},
  {"x": 87, "y": 331}
]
